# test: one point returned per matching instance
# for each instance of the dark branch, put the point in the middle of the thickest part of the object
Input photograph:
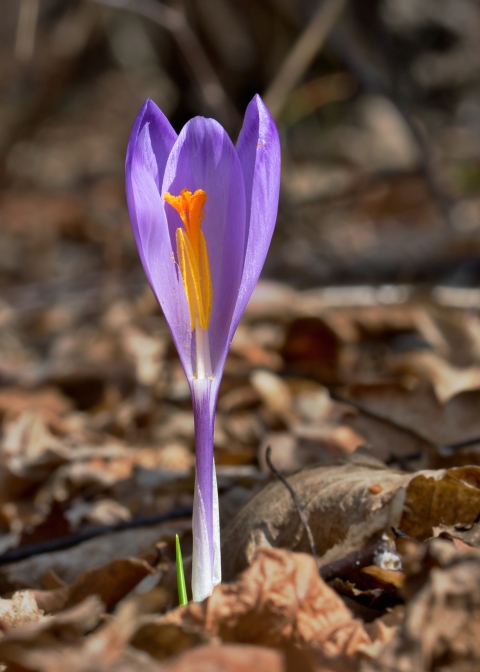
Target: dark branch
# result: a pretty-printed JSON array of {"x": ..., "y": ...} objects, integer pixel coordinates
[{"x": 73, "y": 540}]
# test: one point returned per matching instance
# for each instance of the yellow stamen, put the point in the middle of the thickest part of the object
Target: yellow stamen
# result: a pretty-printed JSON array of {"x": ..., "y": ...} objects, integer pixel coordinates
[{"x": 193, "y": 255}]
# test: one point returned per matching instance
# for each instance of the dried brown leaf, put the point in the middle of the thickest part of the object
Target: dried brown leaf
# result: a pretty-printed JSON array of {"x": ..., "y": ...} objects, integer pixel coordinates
[
  {"x": 69, "y": 625},
  {"x": 447, "y": 380},
  {"x": 447, "y": 496},
  {"x": 418, "y": 410},
  {"x": 58, "y": 644},
  {"x": 440, "y": 628},
  {"x": 279, "y": 601},
  {"x": 21, "y": 608},
  {"x": 49, "y": 400},
  {"x": 110, "y": 582},
  {"x": 349, "y": 505}
]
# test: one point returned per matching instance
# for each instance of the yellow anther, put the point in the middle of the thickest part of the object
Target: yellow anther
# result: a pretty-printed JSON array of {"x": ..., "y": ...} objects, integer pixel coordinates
[{"x": 193, "y": 255}]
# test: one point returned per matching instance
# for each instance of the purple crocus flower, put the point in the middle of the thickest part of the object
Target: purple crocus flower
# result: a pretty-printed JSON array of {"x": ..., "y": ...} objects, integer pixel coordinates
[{"x": 203, "y": 213}]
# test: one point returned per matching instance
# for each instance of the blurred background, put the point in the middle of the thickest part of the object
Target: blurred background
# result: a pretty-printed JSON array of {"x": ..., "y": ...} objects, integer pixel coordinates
[{"x": 377, "y": 103}]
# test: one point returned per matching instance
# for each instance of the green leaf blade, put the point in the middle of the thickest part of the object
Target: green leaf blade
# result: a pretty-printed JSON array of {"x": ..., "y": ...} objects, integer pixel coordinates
[{"x": 182, "y": 588}]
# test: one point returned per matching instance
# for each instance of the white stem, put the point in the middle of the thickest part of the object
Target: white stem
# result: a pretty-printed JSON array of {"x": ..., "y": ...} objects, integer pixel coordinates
[
  {"x": 217, "y": 562},
  {"x": 204, "y": 576},
  {"x": 204, "y": 365}
]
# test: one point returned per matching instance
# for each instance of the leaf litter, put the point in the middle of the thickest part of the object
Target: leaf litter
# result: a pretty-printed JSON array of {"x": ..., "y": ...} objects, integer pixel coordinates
[{"x": 109, "y": 603}]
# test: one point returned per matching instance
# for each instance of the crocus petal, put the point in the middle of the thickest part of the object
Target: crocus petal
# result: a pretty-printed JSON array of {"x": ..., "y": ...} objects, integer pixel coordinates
[
  {"x": 151, "y": 233},
  {"x": 162, "y": 138},
  {"x": 204, "y": 157},
  {"x": 258, "y": 148}
]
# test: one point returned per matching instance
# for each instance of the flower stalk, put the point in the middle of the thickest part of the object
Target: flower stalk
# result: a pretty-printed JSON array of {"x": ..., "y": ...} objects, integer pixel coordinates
[{"x": 203, "y": 214}]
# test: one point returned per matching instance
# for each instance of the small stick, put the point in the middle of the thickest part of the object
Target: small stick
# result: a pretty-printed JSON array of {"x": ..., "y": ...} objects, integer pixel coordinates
[
  {"x": 52, "y": 545},
  {"x": 302, "y": 54},
  {"x": 296, "y": 503},
  {"x": 26, "y": 30},
  {"x": 203, "y": 71}
]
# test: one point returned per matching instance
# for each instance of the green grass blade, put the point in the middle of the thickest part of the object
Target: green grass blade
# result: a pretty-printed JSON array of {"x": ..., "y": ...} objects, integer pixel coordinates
[{"x": 182, "y": 588}]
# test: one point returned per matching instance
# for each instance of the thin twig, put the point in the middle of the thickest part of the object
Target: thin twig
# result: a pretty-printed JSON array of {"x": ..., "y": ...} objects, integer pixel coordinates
[
  {"x": 296, "y": 503},
  {"x": 302, "y": 54},
  {"x": 26, "y": 30},
  {"x": 175, "y": 22},
  {"x": 73, "y": 540}
]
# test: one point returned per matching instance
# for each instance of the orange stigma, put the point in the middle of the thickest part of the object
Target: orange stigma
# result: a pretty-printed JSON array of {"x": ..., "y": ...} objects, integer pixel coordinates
[{"x": 193, "y": 255}]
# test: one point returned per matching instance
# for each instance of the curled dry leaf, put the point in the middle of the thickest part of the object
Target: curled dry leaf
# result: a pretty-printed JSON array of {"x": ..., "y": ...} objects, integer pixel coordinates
[
  {"x": 280, "y": 601},
  {"x": 70, "y": 625},
  {"x": 273, "y": 391},
  {"x": 440, "y": 628},
  {"x": 48, "y": 400},
  {"x": 57, "y": 644},
  {"x": 348, "y": 505},
  {"x": 110, "y": 582},
  {"x": 417, "y": 410},
  {"x": 467, "y": 534},
  {"x": 21, "y": 608},
  {"x": 447, "y": 380}
]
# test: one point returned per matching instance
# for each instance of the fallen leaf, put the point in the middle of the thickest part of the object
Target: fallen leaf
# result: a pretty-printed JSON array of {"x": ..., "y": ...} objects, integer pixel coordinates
[
  {"x": 447, "y": 380},
  {"x": 110, "y": 582},
  {"x": 346, "y": 509},
  {"x": 49, "y": 400},
  {"x": 21, "y": 608},
  {"x": 273, "y": 391},
  {"x": 440, "y": 627},
  {"x": 57, "y": 643},
  {"x": 279, "y": 601},
  {"x": 70, "y": 625}
]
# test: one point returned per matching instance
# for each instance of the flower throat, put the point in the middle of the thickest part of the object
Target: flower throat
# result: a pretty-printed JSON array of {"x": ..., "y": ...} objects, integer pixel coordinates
[{"x": 194, "y": 265}]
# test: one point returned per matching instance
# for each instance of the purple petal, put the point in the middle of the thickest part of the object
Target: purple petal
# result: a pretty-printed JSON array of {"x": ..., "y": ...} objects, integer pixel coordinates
[
  {"x": 204, "y": 158},
  {"x": 162, "y": 138},
  {"x": 145, "y": 164},
  {"x": 258, "y": 148}
]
